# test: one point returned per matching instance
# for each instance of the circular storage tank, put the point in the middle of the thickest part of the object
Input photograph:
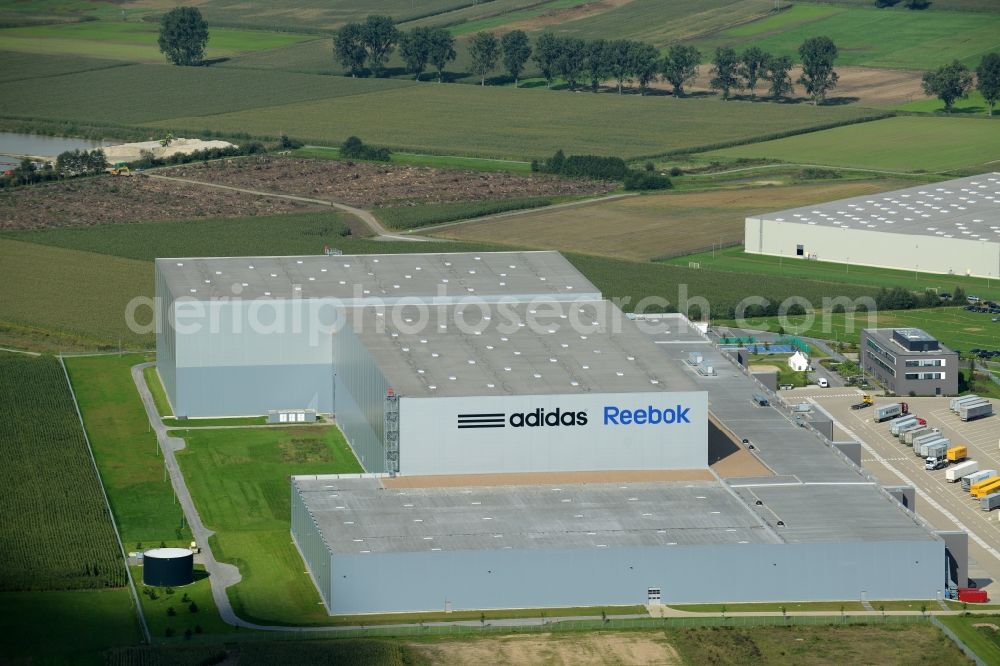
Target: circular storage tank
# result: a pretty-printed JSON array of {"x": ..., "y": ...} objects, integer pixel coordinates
[{"x": 168, "y": 567}]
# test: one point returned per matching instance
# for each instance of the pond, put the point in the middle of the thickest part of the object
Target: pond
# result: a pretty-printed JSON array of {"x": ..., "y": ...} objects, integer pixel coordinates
[{"x": 12, "y": 143}]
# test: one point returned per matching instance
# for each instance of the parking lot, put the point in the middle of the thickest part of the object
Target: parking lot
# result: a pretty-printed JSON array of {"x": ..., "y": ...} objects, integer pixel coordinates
[{"x": 944, "y": 505}]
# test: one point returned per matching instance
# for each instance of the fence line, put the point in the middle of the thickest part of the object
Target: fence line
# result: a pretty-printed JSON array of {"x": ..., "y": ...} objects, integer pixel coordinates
[
  {"x": 957, "y": 641},
  {"x": 698, "y": 250}
]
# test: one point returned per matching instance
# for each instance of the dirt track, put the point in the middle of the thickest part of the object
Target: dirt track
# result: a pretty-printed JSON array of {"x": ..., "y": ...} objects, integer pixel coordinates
[
  {"x": 127, "y": 199},
  {"x": 370, "y": 184}
]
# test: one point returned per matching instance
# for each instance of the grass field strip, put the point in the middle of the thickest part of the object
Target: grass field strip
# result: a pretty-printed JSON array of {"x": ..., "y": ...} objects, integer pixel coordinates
[{"x": 107, "y": 506}]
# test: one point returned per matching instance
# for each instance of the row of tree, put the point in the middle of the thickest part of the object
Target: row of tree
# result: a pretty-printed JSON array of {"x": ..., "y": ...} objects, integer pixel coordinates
[
  {"x": 954, "y": 81},
  {"x": 368, "y": 45}
]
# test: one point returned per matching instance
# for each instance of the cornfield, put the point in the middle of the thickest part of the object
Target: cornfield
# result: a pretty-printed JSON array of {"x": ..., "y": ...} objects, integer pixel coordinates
[
  {"x": 55, "y": 530},
  {"x": 266, "y": 653}
]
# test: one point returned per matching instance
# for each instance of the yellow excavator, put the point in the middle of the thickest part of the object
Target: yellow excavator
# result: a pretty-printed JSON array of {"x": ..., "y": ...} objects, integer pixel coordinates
[{"x": 119, "y": 169}]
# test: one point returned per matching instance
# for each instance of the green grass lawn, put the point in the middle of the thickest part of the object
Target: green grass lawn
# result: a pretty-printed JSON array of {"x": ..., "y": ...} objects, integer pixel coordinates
[
  {"x": 735, "y": 260},
  {"x": 239, "y": 480},
  {"x": 66, "y": 627},
  {"x": 34, "y": 66},
  {"x": 904, "y": 144},
  {"x": 871, "y": 37},
  {"x": 144, "y": 93},
  {"x": 837, "y": 606},
  {"x": 985, "y": 642},
  {"x": 329, "y": 14},
  {"x": 126, "y": 451},
  {"x": 280, "y": 649},
  {"x": 188, "y": 423},
  {"x": 785, "y": 374},
  {"x": 954, "y": 327},
  {"x": 84, "y": 294},
  {"x": 414, "y": 217},
  {"x": 418, "y": 159},
  {"x": 134, "y": 40},
  {"x": 458, "y": 616},
  {"x": 434, "y": 118},
  {"x": 974, "y": 104},
  {"x": 156, "y": 388},
  {"x": 204, "y": 617},
  {"x": 294, "y": 233},
  {"x": 661, "y": 22}
]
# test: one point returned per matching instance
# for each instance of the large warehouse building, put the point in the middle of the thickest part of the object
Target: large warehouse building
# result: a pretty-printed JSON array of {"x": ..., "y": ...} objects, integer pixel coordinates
[
  {"x": 244, "y": 335},
  {"x": 950, "y": 227},
  {"x": 805, "y": 525},
  {"x": 527, "y": 445}
]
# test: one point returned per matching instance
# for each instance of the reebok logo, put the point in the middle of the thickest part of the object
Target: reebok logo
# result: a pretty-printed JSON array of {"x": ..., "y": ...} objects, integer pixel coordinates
[{"x": 645, "y": 415}]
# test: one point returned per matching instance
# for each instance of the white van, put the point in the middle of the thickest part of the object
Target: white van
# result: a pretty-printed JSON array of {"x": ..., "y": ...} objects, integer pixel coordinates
[{"x": 822, "y": 382}]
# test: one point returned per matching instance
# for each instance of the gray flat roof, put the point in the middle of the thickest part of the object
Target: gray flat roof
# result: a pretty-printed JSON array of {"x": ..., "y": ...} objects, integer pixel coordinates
[
  {"x": 884, "y": 335},
  {"x": 966, "y": 208},
  {"x": 817, "y": 512},
  {"x": 816, "y": 493},
  {"x": 359, "y": 515},
  {"x": 529, "y": 348},
  {"x": 371, "y": 278}
]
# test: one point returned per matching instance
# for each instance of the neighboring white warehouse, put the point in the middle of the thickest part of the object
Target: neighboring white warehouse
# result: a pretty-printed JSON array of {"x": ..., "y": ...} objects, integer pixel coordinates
[{"x": 949, "y": 227}]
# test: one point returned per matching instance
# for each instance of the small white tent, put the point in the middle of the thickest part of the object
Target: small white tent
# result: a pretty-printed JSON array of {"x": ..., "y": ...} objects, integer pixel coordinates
[{"x": 798, "y": 361}]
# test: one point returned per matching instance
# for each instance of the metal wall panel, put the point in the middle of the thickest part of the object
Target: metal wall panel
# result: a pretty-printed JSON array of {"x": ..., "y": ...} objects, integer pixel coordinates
[
  {"x": 166, "y": 345},
  {"x": 360, "y": 393},
  {"x": 536, "y": 578},
  {"x": 252, "y": 389},
  {"x": 310, "y": 543},
  {"x": 235, "y": 358}
]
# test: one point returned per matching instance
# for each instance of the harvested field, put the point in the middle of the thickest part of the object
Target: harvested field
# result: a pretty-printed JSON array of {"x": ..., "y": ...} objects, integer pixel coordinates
[
  {"x": 654, "y": 225},
  {"x": 867, "y": 86},
  {"x": 117, "y": 200},
  {"x": 371, "y": 184},
  {"x": 596, "y": 648}
]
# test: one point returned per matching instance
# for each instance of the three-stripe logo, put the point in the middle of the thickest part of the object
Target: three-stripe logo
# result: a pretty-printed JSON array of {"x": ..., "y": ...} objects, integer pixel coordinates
[{"x": 491, "y": 420}]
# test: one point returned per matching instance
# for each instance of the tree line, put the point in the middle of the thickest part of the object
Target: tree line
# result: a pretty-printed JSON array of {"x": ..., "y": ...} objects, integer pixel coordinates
[
  {"x": 69, "y": 164},
  {"x": 366, "y": 47},
  {"x": 954, "y": 81}
]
